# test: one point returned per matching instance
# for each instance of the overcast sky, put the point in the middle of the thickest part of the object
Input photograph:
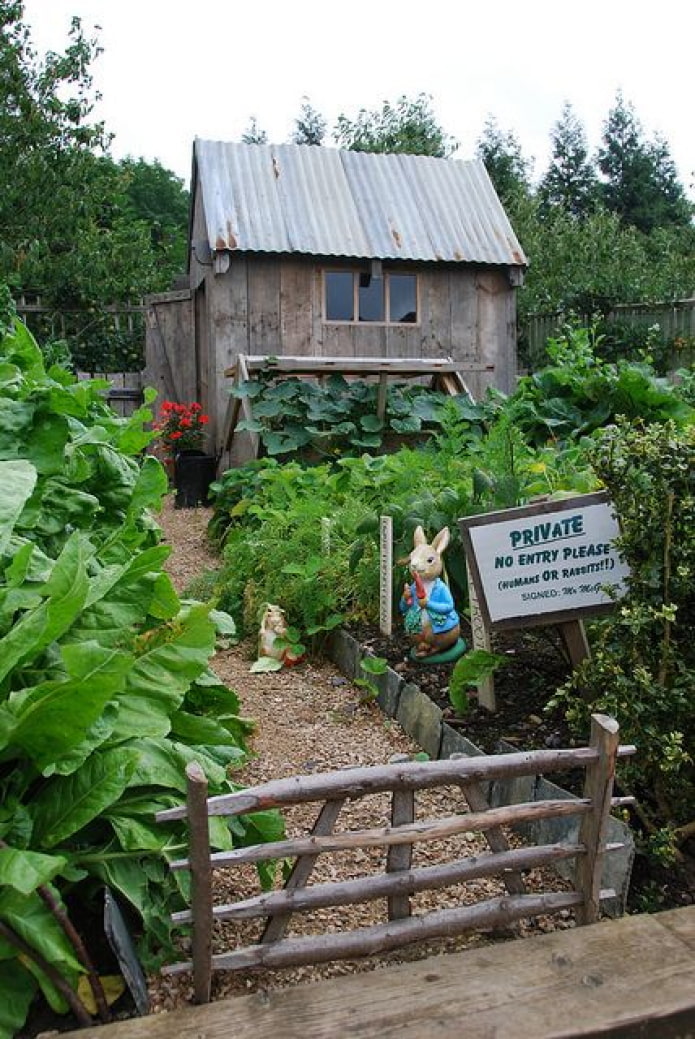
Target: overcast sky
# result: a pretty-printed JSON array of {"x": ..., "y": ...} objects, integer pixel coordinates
[{"x": 172, "y": 71}]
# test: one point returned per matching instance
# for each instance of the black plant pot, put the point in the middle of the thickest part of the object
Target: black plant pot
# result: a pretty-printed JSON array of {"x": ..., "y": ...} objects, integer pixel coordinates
[{"x": 194, "y": 471}]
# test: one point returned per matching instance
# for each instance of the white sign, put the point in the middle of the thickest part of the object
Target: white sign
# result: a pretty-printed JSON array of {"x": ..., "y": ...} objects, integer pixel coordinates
[
  {"x": 386, "y": 575},
  {"x": 552, "y": 558}
]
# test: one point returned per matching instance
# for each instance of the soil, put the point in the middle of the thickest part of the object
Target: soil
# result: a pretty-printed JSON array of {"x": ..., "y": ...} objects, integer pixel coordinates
[{"x": 534, "y": 663}]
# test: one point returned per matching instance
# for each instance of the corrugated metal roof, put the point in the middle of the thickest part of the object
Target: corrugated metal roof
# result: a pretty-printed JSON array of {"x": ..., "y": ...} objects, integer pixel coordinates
[{"x": 290, "y": 198}]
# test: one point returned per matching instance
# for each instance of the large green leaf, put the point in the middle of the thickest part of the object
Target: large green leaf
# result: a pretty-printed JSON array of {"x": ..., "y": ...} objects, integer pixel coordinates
[
  {"x": 150, "y": 486},
  {"x": 45, "y": 443},
  {"x": 26, "y": 870},
  {"x": 160, "y": 677},
  {"x": 17, "y": 482},
  {"x": 17, "y": 989},
  {"x": 66, "y": 804},
  {"x": 35, "y": 923},
  {"x": 53, "y": 718}
]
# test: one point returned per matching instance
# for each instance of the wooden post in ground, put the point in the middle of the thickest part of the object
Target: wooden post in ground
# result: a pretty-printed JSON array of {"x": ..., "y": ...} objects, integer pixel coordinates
[
  {"x": 201, "y": 880},
  {"x": 481, "y": 640},
  {"x": 400, "y": 856},
  {"x": 598, "y": 789}
]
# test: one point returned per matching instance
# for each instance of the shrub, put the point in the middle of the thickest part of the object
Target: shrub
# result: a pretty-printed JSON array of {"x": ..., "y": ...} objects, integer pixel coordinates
[{"x": 644, "y": 654}]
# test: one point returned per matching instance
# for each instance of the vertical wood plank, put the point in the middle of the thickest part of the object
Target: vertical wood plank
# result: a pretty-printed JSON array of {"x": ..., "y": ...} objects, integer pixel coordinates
[
  {"x": 302, "y": 869},
  {"x": 481, "y": 640},
  {"x": 598, "y": 789},
  {"x": 400, "y": 856},
  {"x": 264, "y": 305},
  {"x": 201, "y": 880},
  {"x": 576, "y": 643}
]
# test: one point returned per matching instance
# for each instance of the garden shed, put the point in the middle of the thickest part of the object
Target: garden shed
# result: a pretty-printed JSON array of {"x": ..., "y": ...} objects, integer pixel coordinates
[{"x": 307, "y": 251}]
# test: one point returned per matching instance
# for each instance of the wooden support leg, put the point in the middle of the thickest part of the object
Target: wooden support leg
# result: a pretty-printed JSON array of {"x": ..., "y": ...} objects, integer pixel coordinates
[{"x": 303, "y": 868}]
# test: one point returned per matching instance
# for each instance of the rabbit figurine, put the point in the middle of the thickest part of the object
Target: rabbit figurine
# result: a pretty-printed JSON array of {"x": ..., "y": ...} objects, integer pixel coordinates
[
  {"x": 430, "y": 619},
  {"x": 272, "y": 632}
]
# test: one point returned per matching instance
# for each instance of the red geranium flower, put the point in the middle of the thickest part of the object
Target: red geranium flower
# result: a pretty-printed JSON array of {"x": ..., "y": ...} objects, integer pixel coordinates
[{"x": 181, "y": 426}]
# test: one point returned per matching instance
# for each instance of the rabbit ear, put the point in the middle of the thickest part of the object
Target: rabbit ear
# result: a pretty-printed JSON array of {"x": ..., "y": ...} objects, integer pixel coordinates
[
  {"x": 441, "y": 540},
  {"x": 419, "y": 536}
]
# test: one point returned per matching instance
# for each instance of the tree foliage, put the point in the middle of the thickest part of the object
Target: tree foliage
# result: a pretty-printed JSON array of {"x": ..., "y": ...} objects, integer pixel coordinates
[
  {"x": 407, "y": 125},
  {"x": 508, "y": 168},
  {"x": 310, "y": 127},
  {"x": 74, "y": 223},
  {"x": 253, "y": 134},
  {"x": 570, "y": 180},
  {"x": 640, "y": 179}
]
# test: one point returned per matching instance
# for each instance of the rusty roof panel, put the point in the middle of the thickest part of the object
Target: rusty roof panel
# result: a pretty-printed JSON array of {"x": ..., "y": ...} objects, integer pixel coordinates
[{"x": 319, "y": 201}]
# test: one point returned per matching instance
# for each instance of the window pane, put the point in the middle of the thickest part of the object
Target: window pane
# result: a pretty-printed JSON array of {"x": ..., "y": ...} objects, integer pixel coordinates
[
  {"x": 371, "y": 298},
  {"x": 403, "y": 299},
  {"x": 339, "y": 296}
]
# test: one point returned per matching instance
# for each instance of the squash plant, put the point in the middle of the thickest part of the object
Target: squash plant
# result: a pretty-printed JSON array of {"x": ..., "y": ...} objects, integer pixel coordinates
[
  {"x": 105, "y": 687},
  {"x": 337, "y": 417}
]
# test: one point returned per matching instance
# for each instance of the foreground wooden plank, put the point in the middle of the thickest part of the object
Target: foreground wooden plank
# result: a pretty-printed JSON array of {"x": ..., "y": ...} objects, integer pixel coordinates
[{"x": 630, "y": 977}]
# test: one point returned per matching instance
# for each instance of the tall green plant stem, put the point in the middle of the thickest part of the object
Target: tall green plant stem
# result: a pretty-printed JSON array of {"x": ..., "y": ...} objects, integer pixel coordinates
[
  {"x": 78, "y": 945},
  {"x": 55, "y": 977}
]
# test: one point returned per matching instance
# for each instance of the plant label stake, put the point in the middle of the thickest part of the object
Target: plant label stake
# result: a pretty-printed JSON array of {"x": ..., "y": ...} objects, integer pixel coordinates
[
  {"x": 326, "y": 535},
  {"x": 481, "y": 640},
  {"x": 386, "y": 575}
]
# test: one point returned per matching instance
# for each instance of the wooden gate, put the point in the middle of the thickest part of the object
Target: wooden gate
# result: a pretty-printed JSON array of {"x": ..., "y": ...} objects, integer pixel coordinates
[
  {"x": 401, "y": 878},
  {"x": 170, "y": 365}
]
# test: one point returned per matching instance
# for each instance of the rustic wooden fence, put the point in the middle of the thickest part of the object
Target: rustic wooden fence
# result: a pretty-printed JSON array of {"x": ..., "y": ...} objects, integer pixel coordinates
[
  {"x": 125, "y": 393},
  {"x": 399, "y": 881},
  {"x": 676, "y": 321}
]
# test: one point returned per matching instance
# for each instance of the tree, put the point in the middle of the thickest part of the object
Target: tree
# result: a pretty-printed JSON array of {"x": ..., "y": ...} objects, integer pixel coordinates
[
  {"x": 68, "y": 227},
  {"x": 253, "y": 133},
  {"x": 640, "y": 180},
  {"x": 158, "y": 197},
  {"x": 570, "y": 180},
  {"x": 409, "y": 125},
  {"x": 508, "y": 169},
  {"x": 309, "y": 126}
]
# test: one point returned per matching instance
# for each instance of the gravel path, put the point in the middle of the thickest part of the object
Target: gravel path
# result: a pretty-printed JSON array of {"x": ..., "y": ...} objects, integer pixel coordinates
[{"x": 312, "y": 719}]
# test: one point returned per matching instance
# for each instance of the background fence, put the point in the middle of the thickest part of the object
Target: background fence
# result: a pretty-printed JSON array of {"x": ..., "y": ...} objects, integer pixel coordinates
[{"x": 625, "y": 329}]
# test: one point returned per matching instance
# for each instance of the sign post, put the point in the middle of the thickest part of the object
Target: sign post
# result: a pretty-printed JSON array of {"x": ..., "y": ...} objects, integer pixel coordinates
[
  {"x": 386, "y": 575},
  {"x": 481, "y": 640}
]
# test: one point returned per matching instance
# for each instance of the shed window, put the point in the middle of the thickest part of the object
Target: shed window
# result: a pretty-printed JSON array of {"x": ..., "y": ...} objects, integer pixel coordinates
[
  {"x": 340, "y": 296},
  {"x": 359, "y": 296}
]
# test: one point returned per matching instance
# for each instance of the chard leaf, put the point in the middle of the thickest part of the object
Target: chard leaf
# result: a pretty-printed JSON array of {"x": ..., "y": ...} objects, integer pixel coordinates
[
  {"x": 17, "y": 482},
  {"x": 160, "y": 677},
  {"x": 17, "y": 989},
  {"x": 53, "y": 718},
  {"x": 35, "y": 923},
  {"x": 150, "y": 487},
  {"x": 195, "y": 731},
  {"x": 134, "y": 835},
  {"x": 66, "y": 804},
  {"x": 24, "y": 871}
]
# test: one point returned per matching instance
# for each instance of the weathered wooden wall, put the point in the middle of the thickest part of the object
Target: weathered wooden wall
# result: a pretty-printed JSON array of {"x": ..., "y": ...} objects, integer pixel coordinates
[
  {"x": 274, "y": 305},
  {"x": 170, "y": 359}
]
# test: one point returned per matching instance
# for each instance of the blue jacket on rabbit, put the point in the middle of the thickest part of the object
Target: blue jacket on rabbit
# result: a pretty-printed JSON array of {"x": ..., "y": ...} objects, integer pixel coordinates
[{"x": 440, "y": 609}]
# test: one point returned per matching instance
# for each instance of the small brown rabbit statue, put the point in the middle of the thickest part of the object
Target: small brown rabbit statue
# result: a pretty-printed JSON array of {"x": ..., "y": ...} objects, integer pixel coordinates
[
  {"x": 427, "y": 605},
  {"x": 272, "y": 632}
]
